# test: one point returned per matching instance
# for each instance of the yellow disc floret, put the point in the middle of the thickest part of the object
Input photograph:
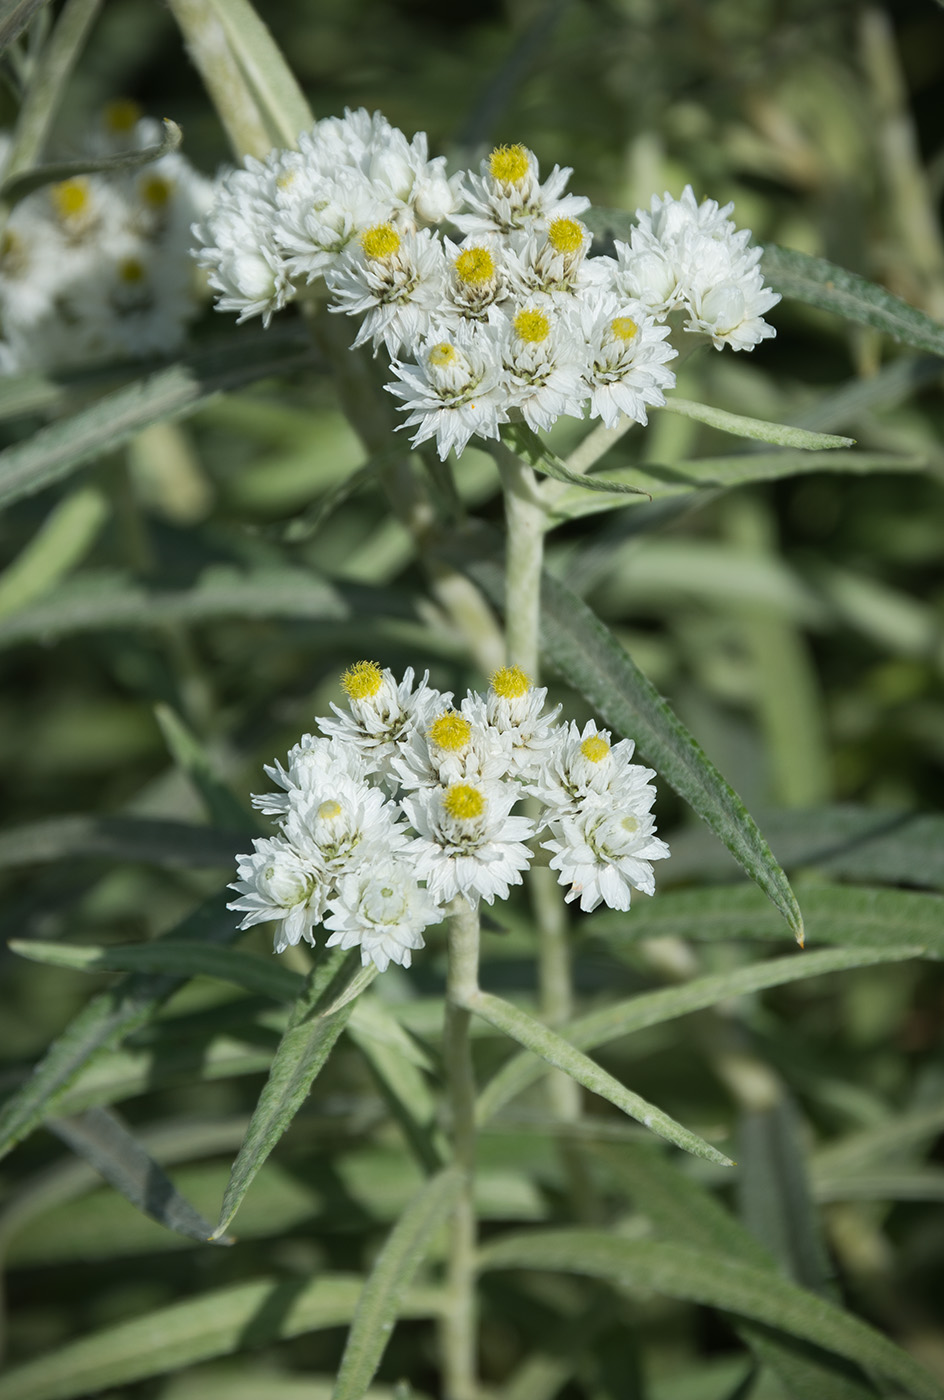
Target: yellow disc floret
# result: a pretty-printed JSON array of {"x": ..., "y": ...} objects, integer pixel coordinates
[
  {"x": 623, "y": 328},
  {"x": 464, "y": 802},
  {"x": 156, "y": 191},
  {"x": 70, "y": 198},
  {"x": 532, "y": 326},
  {"x": 450, "y": 731},
  {"x": 442, "y": 355},
  {"x": 475, "y": 267},
  {"x": 509, "y": 164},
  {"x": 122, "y": 116},
  {"x": 565, "y": 236},
  {"x": 329, "y": 810},
  {"x": 131, "y": 271},
  {"x": 594, "y": 748},
  {"x": 362, "y": 680},
  {"x": 510, "y": 682},
  {"x": 380, "y": 242}
]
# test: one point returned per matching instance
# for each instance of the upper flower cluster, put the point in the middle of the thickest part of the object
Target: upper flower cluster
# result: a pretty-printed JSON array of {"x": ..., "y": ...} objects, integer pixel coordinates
[
  {"x": 513, "y": 319},
  {"x": 96, "y": 267},
  {"x": 403, "y": 802}
]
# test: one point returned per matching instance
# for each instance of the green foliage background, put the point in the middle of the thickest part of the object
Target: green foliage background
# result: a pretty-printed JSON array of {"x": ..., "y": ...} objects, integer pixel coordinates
[{"x": 177, "y": 607}]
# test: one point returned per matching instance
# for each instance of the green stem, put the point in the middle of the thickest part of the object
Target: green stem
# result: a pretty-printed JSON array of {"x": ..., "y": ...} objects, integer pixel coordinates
[
  {"x": 524, "y": 556},
  {"x": 459, "y": 1319}
]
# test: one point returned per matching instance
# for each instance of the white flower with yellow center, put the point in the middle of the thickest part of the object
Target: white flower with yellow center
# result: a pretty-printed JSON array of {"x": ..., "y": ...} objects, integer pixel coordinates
[
  {"x": 394, "y": 280},
  {"x": 553, "y": 260},
  {"x": 583, "y": 764},
  {"x": 455, "y": 746},
  {"x": 508, "y": 194},
  {"x": 382, "y": 910},
  {"x": 513, "y": 710},
  {"x": 604, "y": 851},
  {"x": 543, "y": 362},
  {"x": 382, "y": 712},
  {"x": 627, "y": 354},
  {"x": 454, "y": 392},
  {"x": 476, "y": 280},
  {"x": 313, "y": 762},
  {"x": 468, "y": 843},
  {"x": 276, "y": 883},
  {"x": 341, "y": 825}
]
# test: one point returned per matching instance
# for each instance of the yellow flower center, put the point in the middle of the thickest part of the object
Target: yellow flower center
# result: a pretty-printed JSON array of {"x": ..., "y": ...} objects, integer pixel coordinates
[
  {"x": 286, "y": 179},
  {"x": 630, "y": 824},
  {"x": 131, "y": 272},
  {"x": 464, "y": 802},
  {"x": 442, "y": 355},
  {"x": 510, "y": 682},
  {"x": 594, "y": 748},
  {"x": 475, "y": 267},
  {"x": 70, "y": 198},
  {"x": 623, "y": 328},
  {"x": 509, "y": 164},
  {"x": 156, "y": 191},
  {"x": 362, "y": 680},
  {"x": 565, "y": 236},
  {"x": 380, "y": 242},
  {"x": 450, "y": 731},
  {"x": 532, "y": 326},
  {"x": 329, "y": 810},
  {"x": 122, "y": 116}
]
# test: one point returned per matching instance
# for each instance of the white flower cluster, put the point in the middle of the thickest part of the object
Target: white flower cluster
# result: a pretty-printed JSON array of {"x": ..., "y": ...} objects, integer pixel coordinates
[
  {"x": 513, "y": 320},
  {"x": 404, "y": 802},
  {"x": 96, "y": 267}
]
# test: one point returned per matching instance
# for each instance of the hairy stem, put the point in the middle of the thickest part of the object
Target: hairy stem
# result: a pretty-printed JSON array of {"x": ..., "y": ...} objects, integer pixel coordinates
[{"x": 459, "y": 1320}]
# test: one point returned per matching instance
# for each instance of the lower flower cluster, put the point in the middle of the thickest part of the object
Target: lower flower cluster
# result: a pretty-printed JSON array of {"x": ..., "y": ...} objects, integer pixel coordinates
[{"x": 404, "y": 802}]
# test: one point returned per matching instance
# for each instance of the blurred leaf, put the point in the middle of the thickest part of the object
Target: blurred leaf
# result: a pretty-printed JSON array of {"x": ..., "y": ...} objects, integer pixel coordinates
[
  {"x": 104, "y": 1141},
  {"x": 847, "y": 914},
  {"x": 557, "y": 1051},
  {"x": 62, "y": 541},
  {"x": 19, "y": 185},
  {"x": 318, "y": 1018},
  {"x": 212, "y": 1324},
  {"x": 903, "y": 1184},
  {"x": 62, "y": 447},
  {"x": 129, "y": 838},
  {"x": 102, "y": 1025},
  {"x": 779, "y": 433},
  {"x": 191, "y": 757},
  {"x": 823, "y": 284},
  {"x": 15, "y": 15},
  {"x": 221, "y": 592},
  {"x": 263, "y": 976},
  {"x": 714, "y": 1280},
  {"x": 389, "y": 1279},
  {"x": 654, "y": 1008},
  {"x": 270, "y": 79},
  {"x": 397, "y": 1064},
  {"x": 587, "y": 655}
]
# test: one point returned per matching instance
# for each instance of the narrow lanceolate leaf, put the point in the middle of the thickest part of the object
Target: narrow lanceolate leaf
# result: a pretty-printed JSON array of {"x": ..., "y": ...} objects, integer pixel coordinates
[
  {"x": 654, "y": 1008},
  {"x": 197, "y": 1329},
  {"x": 529, "y": 447},
  {"x": 389, "y": 1279},
  {"x": 20, "y": 185},
  {"x": 102, "y": 1025},
  {"x": 584, "y": 651},
  {"x": 715, "y": 1280},
  {"x": 319, "y": 1017},
  {"x": 104, "y": 1142},
  {"x": 268, "y": 76},
  {"x": 150, "y": 841},
  {"x": 264, "y": 976},
  {"x": 756, "y": 428},
  {"x": 556, "y": 1051},
  {"x": 59, "y": 449},
  {"x": 831, "y": 288},
  {"x": 15, "y": 15}
]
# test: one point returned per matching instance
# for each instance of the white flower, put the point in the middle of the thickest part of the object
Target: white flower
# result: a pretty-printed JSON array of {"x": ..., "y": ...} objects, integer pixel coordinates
[
  {"x": 383, "y": 712},
  {"x": 382, "y": 910},
  {"x": 454, "y": 392},
  {"x": 313, "y": 763},
  {"x": 727, "y": 299},
  {"x": 603, "y": 852},
  {"x": 342, "y": 824},
  {"x": 514, "y": 708},
  {"x": 583, "y": 764},
  {"x": 276, "y": 883},
  {"x": 467, "y": 843},
  {"x": 627, "y": 355},
  {"x": 476, "y": 280},
  {"x": 394, "y": 280},
  {"x": 509, "y": 195},
  {"x": 543, "y": 362},
  {"x": 239, "y": 250},
  {"x": 454, "y": 746},
  {"x": 553, "y": 259}
]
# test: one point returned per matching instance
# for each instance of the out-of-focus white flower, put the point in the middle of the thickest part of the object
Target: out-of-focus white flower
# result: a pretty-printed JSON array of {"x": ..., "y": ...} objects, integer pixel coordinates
[
  {"x": 382, "y": 910},
  {"x": 468, "y": 843}
]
